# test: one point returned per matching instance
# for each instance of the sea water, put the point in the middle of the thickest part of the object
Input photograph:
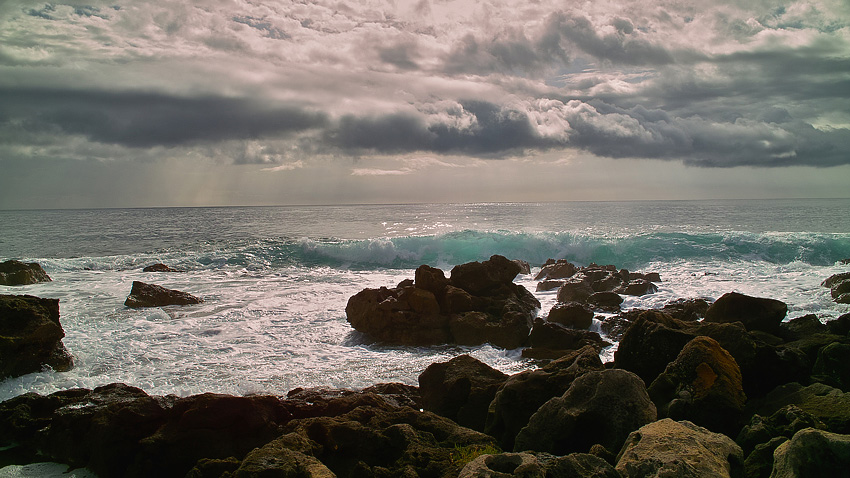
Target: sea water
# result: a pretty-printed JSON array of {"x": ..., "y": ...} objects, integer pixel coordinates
[{"x": 275, "y": 280}]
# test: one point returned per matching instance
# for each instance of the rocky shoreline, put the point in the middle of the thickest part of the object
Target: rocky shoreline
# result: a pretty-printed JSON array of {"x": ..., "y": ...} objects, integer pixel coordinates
[{"x": 695, "y": 389}]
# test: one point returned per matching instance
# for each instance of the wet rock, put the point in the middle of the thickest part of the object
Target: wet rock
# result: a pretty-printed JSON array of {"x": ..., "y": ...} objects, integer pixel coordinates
[
  {"x": 637, "y": 288},
  {"x": 839, "y": 289},
  {"x": 688, "y": 310},
  {"x": 523, "y": 393},
  {"x": 31, "y": 336},
  {"x": 599, "y": 407},
  {"x": 829, "y": 405},
  {"x": 552, "y": 336},
  {"x": 14, "y": 272},
  {"x": 799, "y": 327},
  {"x": 158, "y": 267},
  {"x": 678, "y": 449},
  {"x": 150, "y": 295},
  {"x": 483, "y": 278},
  {"x": 524, "y": 266},
  {"x": 835, "y": 279},
  {"x": 784, "y": 423},
  {"x": 475, "y": 328},
  {"x": 840, "y": 325},
  {"x": 605, "y": 300},
  {"x": 503, "y": 465},
  {"x": 755, "y": 313},
  {"x": 460, "y": 389},
  {"x": 703, "y": 386},
  {"x": 548, "y": 285},
  {"x": 571, "y": 314},
  {"x": 561, "y": 269},
  {"x": 652, "y": 341},
  {"x": 614, "y": 326},
  {"x": 575, "y": 290},
  {"x": 812, "y": 453}
]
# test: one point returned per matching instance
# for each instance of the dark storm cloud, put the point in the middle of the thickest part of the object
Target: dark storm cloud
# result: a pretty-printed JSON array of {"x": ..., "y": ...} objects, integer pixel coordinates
[
  {"x": 144, "y": 120},
  {"x": 510, "y": 52}
]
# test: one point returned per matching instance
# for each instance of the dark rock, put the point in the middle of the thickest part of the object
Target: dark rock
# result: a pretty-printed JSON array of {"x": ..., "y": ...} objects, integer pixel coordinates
[
  {"x": 580, "y": 465},
  {"x": 599, "y": 407},
  {"x": 159, "y": 268},
  {"x": 784, "y": 423},
  {"x": 843, "y": 299},
  {"x": 387, "y": 315},
  {"x": 460, "y": 389},
  {"x": 652, "y": 277},
  {"x": 571, "y": 314},
  {"x": 835, "y": 279},
  {"x": 829, "y": 405},
  {"x": 638, "y": 287},
  {"x": 759, "y": 462},
  {"x": 524, "y": 266},
  {"x": 614, "y": 326},
  {"x": 503, "y": 465},
  {"x": 150, "y": 295},
  {"x": 214, "y": 468},
  {"x": 482, "y": 278},
  {"x": 800, "y": 327},
  {"x": 523, "y": 393},
  {"x": 679, "y": 449},
  {"x": 549, "y": 335},
  {"x": 21, "y": 273},
  {"x": 703, "y": 386},
  {"x": 755, "y": 313},
  {"x": 574, "y": 290},
  {"x": 650, "y": 343},
  {"x": 840, "y": 289},
  {"x": 605, "y": 300},
  {"x": 475, "y": 328},
  {"x": 609, "y": 282},
  {"x": 277, "y": 459},
  {"x": 397, "y": 394},
  {"x": 688, "y": 310},
  {"x": 561, "y": 269},
  {"x": 812, "y": 452},
  {"x": 548, "y": 285},
  {"x": 840, "y": 325},
  {"x": 31, "y": 336},
  {"x": 832, "y": 366},
  {"x": 431, "y": 279}
]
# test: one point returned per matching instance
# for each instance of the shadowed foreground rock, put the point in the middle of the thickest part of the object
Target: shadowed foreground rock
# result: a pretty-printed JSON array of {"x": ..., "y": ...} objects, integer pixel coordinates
[
  {"x": 150, "y": 295},
  {"x": 478, "y": 304},
  {"x": 22, "y": 273},
  {"x": 812, "y": 452},
  {"x": 31, "y": 336}
]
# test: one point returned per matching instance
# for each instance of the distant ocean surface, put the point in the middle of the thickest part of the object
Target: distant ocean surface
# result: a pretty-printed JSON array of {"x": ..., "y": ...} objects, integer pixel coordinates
[{"x": 275, "y": 280}]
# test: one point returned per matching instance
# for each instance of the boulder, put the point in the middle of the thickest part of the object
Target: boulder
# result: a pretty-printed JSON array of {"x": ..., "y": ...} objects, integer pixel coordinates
[
  {"x": 552, "y": 336},
  {"x": 523, "y": 393},
  {"x": 755, "y": 313},
  {"x": 579, "y": 465},
  {"x": 159, "y": 267},
  {"x": 276, "y": 458},
  {"x": 679, "y": 449},
  {"x": 503, "y": 465},
  {"x": 460, "y": 389},
  {"x": 14, "y": 272},
  {"x": 812, "y": 452},
  {"x": 637, "y": 287},
  {"x": 829, "y": 405},
  {"x": 561, "y": 269},
  {"x": 759, "y": 462},
  {"x": 574, "y": 290},
  {"x": 832, "y": 366},
  {"x": 478, "y": 304},
  {"x": 599, "y": 407},
  {"x": 783, "y": 424},
  {"x": 31, "y": 336},
  {"x": 843, "y": 299},
  {"x": 548, "y": 285},
  {"x": 840, "y": 325},
  {"x": 688, "y": 310},
  {"x": 524, "y": 266},
  {"x": 605, "y": 300},
  {"x": 800, "y": 327},
  {"x": 150, "y": 295},
  {"x": 703, "y": 386},
  {"x": 835, "y": 279},
  {"x": 652, "y": 341},
  {"x": 571, "y": 314},
  {"x": 614, "y": 326},
  {"x": 840, "y": 289}
]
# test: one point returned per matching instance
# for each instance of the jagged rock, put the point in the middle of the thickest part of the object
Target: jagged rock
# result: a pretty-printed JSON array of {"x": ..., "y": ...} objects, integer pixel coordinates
[
  {"x": 150, "y": 295},
  {"x": 158, "y": 267},
  {"x": 605, "y": 300},
  {"x": 561, "y": 269},
  {"x": 832, "y": 366},
  {"x": 503, "y": 465},
  {"x": 637, "y": 287},
  {"x": 31, "y": 336},
  {"x": 552, "y": 336},
  {"x": 571, "y": 314},
  {"x": 652, "y": 341},
  {"x": 574, "y": 290},
  {"x": 840, "y": 325},
  {"x": 755, "y": 313},
  {"x": 523, "y": 393},
  {"x": 829, "y": 405},
  {"x": 703, "y": 386},
  {"x": 14, "y": 272},
  {"x": 667, "y": 448},
  {"x": 460, "y": 389},
  {"x": 835, "y": 279},
  {"x": 524, "y": 266},
  {"x": 799, "y": 327},
  {"x": 548, "y": 285},
  {"x": 784, "y": 423},
  {"x": 478, "y": 304},
  {"x": 599, "y": 407},
  {"x": 688, "y": 310},
  {"x": 812, "y": 453}
]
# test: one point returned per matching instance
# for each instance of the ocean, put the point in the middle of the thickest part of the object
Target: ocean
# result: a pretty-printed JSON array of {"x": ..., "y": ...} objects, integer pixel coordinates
[{"x": 275, "y": 280}]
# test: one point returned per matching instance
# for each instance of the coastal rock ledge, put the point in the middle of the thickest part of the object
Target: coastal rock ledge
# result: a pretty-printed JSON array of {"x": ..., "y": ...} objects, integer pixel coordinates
[
  {"x": 22, "y": 273},
  {"x": 30, "y": 336},
  {"x": 479, "y": 303}
]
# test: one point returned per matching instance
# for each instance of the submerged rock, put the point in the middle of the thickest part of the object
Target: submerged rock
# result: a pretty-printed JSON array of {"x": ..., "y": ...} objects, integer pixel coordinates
[
  {"x": 158, "y": 267},
  {"x": 150, "y": 295},
  {"x": 22, "y": 273},
  {"x": 31, "y": 336}
]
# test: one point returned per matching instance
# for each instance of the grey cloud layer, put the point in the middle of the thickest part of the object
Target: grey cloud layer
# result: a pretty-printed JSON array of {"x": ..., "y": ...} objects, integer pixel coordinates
[{"x": 720, "y": 85}]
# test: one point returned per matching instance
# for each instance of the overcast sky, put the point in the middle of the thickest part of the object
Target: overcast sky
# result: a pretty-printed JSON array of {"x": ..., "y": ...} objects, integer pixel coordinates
[{"x": 158, "y": 103}]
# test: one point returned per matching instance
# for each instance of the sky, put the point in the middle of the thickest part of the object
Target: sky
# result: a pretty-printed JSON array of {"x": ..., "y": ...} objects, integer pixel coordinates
[{"x": 228, "y": 102}]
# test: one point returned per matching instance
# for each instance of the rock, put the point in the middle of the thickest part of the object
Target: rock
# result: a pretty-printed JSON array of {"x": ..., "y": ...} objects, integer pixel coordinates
[
  {"x": 835, "y": 279},
  {"x": 755, "y": 313},
  {"x": 829, "y": 405},
  {"x": 652, "y": 277},
  {"x": 599, "y": 407},
  {"x": 703, "y": 386},
  {"x": 214, "y": 468},
  {"x": 688, "y": 310},
  {"x": 609, "y": 282},
  {"x": 524, "y": 266},
  {"x": 759, "y": 462},
  {"x": 503, "y": 465},
  {"x": 652, "y": 341},
  {"x": 552, "y": 336},
  {"x": 22, "y": 273},
  {"x": 276, "y": 459},
  {"x": 843, "y": 299},
  {"x": 571, "y": 314},
  {"x": 574, "y": 290},
  {"x": 637, "y": 288},
  {"x": 812, "y": 453},
  {"x": 561, "y": 269},
  {"x": 832, "y": 366},
  {"x": 478, "y": 304},
  {"x": 158, "y": 267},
  {"x": 783, "y": 424},
  {"x": 668, "y": 448},
  {"x": 799, "y": 327},
  {"x": 839, "y": 289},
  {"x": 150, "y": 295},
  {"x": 31, "y": 336},
  {"x": 580, "y": 465},
  {"x": 605, "y": 300},
  {"x": 548, "y": 285},
  {"x": 840, "y": 325},
  {"x": 460, "y": 389},
  {"x": 523, "y": 393},
  {"x": 614, "y": 326}
]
